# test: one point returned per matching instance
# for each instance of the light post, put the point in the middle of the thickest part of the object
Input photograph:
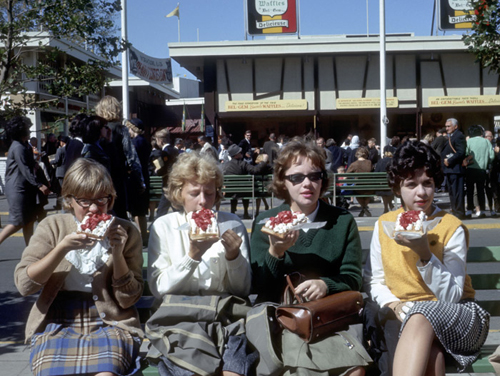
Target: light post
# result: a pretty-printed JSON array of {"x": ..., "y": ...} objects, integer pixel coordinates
[
  {"x": 125, "y": 98},
  {"x": 383, "y": 107}
]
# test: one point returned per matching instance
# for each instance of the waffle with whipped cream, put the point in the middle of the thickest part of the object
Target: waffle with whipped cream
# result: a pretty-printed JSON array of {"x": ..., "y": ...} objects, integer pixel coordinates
[
  {"x": 411, "y": 221},
  {"x": 283, "y": 223},
  {"x": 95, "y": 225},
  {"x": 203, "y": 225}
]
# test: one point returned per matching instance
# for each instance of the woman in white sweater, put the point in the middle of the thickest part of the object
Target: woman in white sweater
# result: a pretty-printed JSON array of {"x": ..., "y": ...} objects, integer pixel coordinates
[{"x": 197, "y": 274}]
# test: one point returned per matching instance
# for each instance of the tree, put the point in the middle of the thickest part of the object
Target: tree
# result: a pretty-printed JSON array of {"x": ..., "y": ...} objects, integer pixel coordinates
[
  {"x": 484, "y": 38},
  {"x": 86, "y": 23}
]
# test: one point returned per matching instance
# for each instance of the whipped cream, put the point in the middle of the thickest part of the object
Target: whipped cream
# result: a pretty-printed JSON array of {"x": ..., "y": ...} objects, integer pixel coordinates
[
  {"x": 282, "y": 228},
  {"x": 211, "y": 228},
  {"x": 415, "y": 226}
]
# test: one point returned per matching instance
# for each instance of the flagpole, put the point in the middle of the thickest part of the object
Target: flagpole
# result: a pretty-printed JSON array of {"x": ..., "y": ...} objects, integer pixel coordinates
[
  {"x": 383, "y": 107},
  {"x": 125, "y": 98},
  {"x": 179, "y": 28}
]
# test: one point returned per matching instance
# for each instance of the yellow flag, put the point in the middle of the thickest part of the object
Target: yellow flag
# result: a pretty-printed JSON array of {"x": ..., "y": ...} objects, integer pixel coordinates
[{"x": 175, "y": 12}]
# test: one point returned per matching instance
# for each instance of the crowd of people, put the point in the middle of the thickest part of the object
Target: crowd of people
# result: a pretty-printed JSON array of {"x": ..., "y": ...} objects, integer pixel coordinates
[{"x": 85, "y": 321}]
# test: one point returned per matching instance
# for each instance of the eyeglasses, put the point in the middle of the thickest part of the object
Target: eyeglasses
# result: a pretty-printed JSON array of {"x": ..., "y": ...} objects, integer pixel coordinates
[
  {"x": 87, "y": 203},
  {"x": 299, "y": 178}
]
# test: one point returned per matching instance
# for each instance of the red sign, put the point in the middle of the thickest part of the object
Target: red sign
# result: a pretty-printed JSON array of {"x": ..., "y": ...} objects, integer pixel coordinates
[{"x": 271, "y": 17}]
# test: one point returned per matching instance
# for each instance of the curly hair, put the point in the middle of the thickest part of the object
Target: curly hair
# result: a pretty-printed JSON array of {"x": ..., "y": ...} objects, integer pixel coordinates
[
  {"x": 297, "y": 147},
  {"x": 17, "y": 128},
  {"x": 75, "y": 128},
  {"x": 192, "y": 167},
  {"x": 412, "y": 156},
  {"x": 109, "y": 108}
]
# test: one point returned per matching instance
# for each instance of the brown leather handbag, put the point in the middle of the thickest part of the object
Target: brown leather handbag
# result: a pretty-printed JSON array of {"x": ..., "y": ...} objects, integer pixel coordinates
[{"x": 313, "y": 320}]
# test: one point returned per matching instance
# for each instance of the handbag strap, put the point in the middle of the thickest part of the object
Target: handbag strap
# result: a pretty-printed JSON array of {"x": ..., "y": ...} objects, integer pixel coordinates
[
  {"x": 452, "y": 148},
  {"x": 291, "y": 288}
]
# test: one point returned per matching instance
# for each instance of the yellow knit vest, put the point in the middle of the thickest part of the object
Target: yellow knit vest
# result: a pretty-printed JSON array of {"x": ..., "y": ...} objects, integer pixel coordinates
[{"x": 400, "y": 263}]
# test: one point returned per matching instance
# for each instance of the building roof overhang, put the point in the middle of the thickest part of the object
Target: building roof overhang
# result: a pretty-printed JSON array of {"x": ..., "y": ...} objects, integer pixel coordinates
[{"x": 193, "y": 55}]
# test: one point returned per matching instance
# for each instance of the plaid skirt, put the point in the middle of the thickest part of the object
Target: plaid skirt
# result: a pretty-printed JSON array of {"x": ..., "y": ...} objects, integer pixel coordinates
[
  {"x": 461, "y": 327},
  {"x": 74, "y": 340}
]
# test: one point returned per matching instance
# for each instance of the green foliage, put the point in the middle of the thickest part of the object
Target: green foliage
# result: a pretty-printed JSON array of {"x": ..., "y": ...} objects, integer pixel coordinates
[
  {"x": 484, "y": 38},
  {"x": 85, "y": 23}
]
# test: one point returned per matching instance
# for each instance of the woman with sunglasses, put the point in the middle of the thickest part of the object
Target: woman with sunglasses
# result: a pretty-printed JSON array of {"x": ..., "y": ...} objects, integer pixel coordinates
[
  {"x": 84, "y": 321},
  {"x": 329, "y": 257}
]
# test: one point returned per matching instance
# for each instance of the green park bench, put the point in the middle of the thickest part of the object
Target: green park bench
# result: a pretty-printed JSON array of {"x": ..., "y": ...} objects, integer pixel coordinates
[
  {"x": 357, "y": 184},
  {"x": 483, "y": 267},
  {"x": 155, "y": 188}
]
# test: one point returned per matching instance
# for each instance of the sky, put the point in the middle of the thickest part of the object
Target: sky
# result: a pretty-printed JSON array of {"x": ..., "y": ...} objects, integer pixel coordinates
[{"x": 217, "y": 20}]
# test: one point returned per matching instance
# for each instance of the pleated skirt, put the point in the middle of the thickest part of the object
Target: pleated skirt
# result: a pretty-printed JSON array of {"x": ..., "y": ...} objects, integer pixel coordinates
[
  {"x": 461, "y": 327},
  {"x": 75, "y": 340}
]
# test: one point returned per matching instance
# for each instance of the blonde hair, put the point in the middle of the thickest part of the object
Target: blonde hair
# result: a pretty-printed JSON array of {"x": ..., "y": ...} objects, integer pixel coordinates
[
  {"x": 192, "y": 167},
  {"x": 297, "y": 147},
  {"x": 87, "y": 178},
  {"x": 109, "y": 108},
  {"x": 262, "y": 158}
]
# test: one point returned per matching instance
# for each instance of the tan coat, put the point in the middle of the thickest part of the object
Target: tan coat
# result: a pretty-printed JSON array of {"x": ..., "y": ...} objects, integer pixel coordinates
[{"x": 114, "y": 299}]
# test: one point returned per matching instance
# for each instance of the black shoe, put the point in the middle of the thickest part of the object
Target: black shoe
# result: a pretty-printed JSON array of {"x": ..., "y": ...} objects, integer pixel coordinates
[
  {"x": 361, "y": 213},
  {"x": 367, "y": 213},
  {"x": 246, "y": 216}
]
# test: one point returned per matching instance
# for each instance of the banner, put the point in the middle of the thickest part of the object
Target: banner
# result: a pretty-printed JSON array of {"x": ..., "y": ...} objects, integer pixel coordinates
[
  {"x": 271, "y": 17},
  {"x": 464, "y": 101},
  {"x": 271, "y": 105},
  {"x": 454, "y": 14},
  {"x": 158, "y": 71}
]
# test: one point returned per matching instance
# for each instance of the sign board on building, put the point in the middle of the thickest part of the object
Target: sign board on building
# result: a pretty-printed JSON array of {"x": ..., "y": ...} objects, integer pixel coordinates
[
  {"x": 278, "y": 105},
  {"x": 348, "y": 103},
  {"x": 271, "y": 17},
  {"x": 465, "y": 101},
  {"x": 151, "y": 69},
  {"x": 454, "y": 14}
]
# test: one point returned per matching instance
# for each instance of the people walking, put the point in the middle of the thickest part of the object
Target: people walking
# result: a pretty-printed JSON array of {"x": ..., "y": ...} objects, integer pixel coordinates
[
  {"x": 479, "y": 156},
  {"x": 452, "y": 156},
  {"x": 21, "y": 184}
]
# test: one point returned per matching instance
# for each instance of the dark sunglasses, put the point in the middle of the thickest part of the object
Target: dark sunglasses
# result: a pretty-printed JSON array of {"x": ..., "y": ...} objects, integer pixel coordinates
[{"x": 299, "y": 178}]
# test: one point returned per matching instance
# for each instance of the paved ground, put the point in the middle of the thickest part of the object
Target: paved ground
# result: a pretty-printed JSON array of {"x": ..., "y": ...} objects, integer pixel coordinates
[{"x": 14, "y": 309}]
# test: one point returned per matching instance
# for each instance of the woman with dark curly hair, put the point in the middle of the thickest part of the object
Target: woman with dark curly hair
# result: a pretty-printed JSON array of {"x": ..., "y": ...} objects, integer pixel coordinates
[
  {"x": 423, "y": 282},
  {"x": 21, "y": 184},
  {"x": 329, "y": 257}
]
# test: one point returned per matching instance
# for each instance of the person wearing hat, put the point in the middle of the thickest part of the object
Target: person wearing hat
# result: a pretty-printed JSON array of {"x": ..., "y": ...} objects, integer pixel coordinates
[
  {"x": 138, "y": 199},
  {"x": 237, "y": 166}
]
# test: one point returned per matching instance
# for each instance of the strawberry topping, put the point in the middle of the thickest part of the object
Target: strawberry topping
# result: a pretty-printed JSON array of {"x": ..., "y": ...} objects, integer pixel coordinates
[
  {"x": 285, "y": 216},
  {"x": 203, "y": 218},
  {"x": 93, "y": 219},
  {"x": 408, "y": 218}
]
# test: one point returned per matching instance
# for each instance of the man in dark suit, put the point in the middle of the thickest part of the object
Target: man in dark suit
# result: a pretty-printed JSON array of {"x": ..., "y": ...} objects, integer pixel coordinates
[
  {"x": 237, "y": 166},
  {"x": 271, "y": 148},
  {"x": 452, "y": 156},
  {"x": 246, "y": 147}
]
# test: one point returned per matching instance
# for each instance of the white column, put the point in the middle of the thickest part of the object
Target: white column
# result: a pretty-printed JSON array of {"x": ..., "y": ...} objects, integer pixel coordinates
[
  {"x": 383, "y": 110},
  {"x": 125, "y": 99}
]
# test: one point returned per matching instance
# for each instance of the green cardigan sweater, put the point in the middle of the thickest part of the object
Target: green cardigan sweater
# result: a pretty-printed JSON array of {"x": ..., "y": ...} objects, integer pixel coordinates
[{"x": 332, "y": 253}]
